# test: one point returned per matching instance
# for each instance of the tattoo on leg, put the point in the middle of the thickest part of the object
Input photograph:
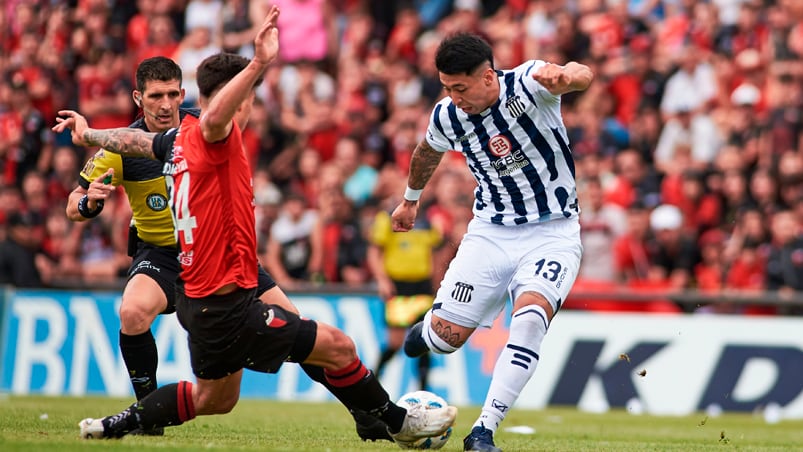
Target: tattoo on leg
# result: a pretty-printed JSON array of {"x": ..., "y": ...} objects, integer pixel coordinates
[{"x": 445, "y": 333}]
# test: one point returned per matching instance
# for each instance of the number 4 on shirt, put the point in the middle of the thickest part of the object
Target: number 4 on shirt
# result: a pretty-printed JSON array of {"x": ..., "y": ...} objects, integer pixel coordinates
[{"x": 180, "y": 205}]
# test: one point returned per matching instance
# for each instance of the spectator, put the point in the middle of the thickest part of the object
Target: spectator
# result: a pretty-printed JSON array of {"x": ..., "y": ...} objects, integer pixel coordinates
[
  {"x": 784, "y": 266},
  {"x": 602, "y": 224},
  {"x": 196, "y": 45},
  {"x": 635, "y": 181},
  {"x": 161, "y": 39},
  {"x": 307, "y": 28},
  {"x": 360, "y": 179},
  {"x": 28, "y": 141},
  {"x": 105, "y": 89},
  {"x": 343, "y": 238},
  {"x": 701, "y": 209},
  {"x": 673, "y": 253},
  {"x": 295, "y": 246},
  {"x": 22, "y": 262}
]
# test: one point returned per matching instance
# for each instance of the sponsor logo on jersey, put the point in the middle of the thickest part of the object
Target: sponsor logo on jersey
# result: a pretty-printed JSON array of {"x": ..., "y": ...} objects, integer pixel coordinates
[
  {"x": 174, "y": 167},
  {"x": 515, "y": 106},
  {"x": 462, "y": 292},
  {"x": 466, "y": 137},
  {"x": 185, "y": 259},
  {"x": 510, "y": 163},
  {"x": 156, "y": 201},
  {"x": 499, "y": 145}
]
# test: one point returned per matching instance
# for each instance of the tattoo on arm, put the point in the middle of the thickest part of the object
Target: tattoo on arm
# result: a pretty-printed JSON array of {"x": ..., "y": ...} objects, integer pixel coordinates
[
  {"x": 450, "y": 337},
  {"x": 130, "y": 142},
  {"x": 423, "y": 164}
]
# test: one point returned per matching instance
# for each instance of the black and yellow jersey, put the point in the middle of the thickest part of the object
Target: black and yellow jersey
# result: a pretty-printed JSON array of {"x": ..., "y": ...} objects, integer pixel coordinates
[
  {"x": 407, "y": 256},
  {"x": 144, "y": 185}
]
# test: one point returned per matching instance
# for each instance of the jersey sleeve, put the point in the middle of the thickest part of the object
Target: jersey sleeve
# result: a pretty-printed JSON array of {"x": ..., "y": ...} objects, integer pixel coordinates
[
  {"x": 98, "y": 164},
  {"x": 525, "y": 74},
  {"x": 163, "y": 143},
  {"x": 436, "y": 135}
]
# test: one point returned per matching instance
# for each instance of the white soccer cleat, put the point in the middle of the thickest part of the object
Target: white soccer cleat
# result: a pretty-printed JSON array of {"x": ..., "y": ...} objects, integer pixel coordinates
[
  {"x": 423, "y": 422},
  {"x": 91, "y": 428}
]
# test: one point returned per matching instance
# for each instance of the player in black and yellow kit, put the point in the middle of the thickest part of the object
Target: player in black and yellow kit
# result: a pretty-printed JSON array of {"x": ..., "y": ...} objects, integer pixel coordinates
[
  {"x": 150, "y": 289},
  {"x": 402, "y": 267}
]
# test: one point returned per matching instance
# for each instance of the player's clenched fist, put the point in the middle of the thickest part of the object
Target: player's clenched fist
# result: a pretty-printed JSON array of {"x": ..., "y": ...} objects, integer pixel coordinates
[{"x": 552, "y": 77}]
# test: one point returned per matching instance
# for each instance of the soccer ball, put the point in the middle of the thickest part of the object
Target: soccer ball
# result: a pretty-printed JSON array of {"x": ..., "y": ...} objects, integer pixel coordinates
[{"x": 429, "y": 400}]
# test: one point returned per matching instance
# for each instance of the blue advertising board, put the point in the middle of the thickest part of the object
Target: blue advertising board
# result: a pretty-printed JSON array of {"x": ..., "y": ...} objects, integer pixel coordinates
[{"x": 67, "y": 343}]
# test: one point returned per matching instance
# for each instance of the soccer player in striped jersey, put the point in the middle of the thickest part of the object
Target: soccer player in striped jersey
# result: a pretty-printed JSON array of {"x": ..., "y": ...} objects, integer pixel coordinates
[{"x": 524, "y": 240}]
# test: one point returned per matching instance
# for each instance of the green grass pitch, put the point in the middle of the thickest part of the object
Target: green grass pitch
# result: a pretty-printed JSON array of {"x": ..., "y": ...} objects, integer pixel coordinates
[{"x": 50, "y": 424}]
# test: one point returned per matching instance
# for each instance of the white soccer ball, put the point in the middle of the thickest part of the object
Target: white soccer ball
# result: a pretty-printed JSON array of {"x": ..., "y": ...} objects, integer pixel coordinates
[{"x": 428, "y": 400}]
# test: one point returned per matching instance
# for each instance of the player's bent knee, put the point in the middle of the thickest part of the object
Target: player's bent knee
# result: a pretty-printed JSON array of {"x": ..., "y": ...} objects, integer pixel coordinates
[
  {"x": 534, "y": 298},
  {"x": 442, "y": 340},
  {"x": 136, "y": 319}
]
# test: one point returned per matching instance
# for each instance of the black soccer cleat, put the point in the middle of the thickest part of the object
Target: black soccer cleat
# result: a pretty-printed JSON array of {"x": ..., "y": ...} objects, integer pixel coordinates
[
  {"x": 370, "y": 428},
  {"x": 480, "y": 440},
  {"x": 414, "y": 345}
]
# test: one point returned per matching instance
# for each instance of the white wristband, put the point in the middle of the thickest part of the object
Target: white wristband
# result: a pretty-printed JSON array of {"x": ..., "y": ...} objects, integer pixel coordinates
[{"x": 412, "y": 195}]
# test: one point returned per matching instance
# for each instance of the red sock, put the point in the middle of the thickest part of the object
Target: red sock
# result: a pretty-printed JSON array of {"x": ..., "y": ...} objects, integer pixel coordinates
[
  {"x": 186, "y": 407},
  {"x": 347, "y": 376}
]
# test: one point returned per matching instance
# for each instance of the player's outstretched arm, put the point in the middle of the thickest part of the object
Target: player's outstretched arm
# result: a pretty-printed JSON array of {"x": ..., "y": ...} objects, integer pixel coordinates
[
  {"x": 216, "y": 121},
  {"x": 563, "y": 79},
  {"x": 423, "y": 163},
  {"x": 125, "y": 141}
]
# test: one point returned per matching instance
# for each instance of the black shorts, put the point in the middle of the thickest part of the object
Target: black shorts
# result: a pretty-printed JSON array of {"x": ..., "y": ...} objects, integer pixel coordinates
[
  {"x": 160, "y": 264},
  {"x": 264, "y": 281},
  {"x": 236, "y": 331}
]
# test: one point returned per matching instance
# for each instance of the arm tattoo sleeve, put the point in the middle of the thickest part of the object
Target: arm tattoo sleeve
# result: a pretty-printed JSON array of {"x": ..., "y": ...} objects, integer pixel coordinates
[
  {"x": 423, "y": 164},
  {"x": 130, "y": 142}
]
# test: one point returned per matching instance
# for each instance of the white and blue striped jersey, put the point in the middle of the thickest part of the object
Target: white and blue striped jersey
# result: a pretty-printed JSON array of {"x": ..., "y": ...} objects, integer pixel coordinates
[{"x": 517, "y": 150}]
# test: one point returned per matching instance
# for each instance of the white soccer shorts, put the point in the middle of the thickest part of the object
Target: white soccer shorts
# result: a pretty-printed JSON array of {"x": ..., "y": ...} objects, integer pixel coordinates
[{"x": 495, "y": 264}]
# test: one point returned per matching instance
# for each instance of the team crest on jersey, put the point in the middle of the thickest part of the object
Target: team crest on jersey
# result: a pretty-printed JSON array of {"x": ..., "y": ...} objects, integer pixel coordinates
[
  {"x": 499, "y": 145},
  {"x": 156, "y": 201},
  {"x": 515, "y": 106},
  {"x": 462, "y": 292}
]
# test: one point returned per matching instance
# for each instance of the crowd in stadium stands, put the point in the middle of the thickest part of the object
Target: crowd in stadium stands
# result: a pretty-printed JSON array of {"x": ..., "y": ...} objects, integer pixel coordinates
[{"x": 688, "y": 147}]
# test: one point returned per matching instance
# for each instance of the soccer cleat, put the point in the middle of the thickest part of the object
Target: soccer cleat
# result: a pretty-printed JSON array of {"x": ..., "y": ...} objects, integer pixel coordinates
[
  {"x": 155, "y": 431},
  {"x": 91, "y": 429},
  {"x": 480, "y": 440},
  {"x": 414, "y": 345},
  {"x": 370, "y": 428},
  {"x": 423, "y": 422}
]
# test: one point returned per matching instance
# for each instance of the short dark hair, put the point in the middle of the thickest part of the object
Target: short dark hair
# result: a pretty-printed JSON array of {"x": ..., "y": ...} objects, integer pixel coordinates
[
  {"x": 463, "y": 53},
  {"x": 158, "y": 68},
  {"x": 217, "y": 70}
]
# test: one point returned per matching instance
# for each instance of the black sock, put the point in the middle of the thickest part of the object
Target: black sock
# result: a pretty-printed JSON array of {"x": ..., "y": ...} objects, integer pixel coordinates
[
  {"x": 386, "y": 356},
  {"x": 424, "y": 363},
  {"x": 367, "y": 395},
  {"x": 169, "y": 405},
  {"x": 141, "y": 357}
]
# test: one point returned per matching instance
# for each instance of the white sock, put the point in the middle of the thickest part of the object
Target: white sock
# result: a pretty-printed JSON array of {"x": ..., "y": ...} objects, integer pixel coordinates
[
  {"x": 434, "y": 342},
  {"x": 516, "y": 364}
]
